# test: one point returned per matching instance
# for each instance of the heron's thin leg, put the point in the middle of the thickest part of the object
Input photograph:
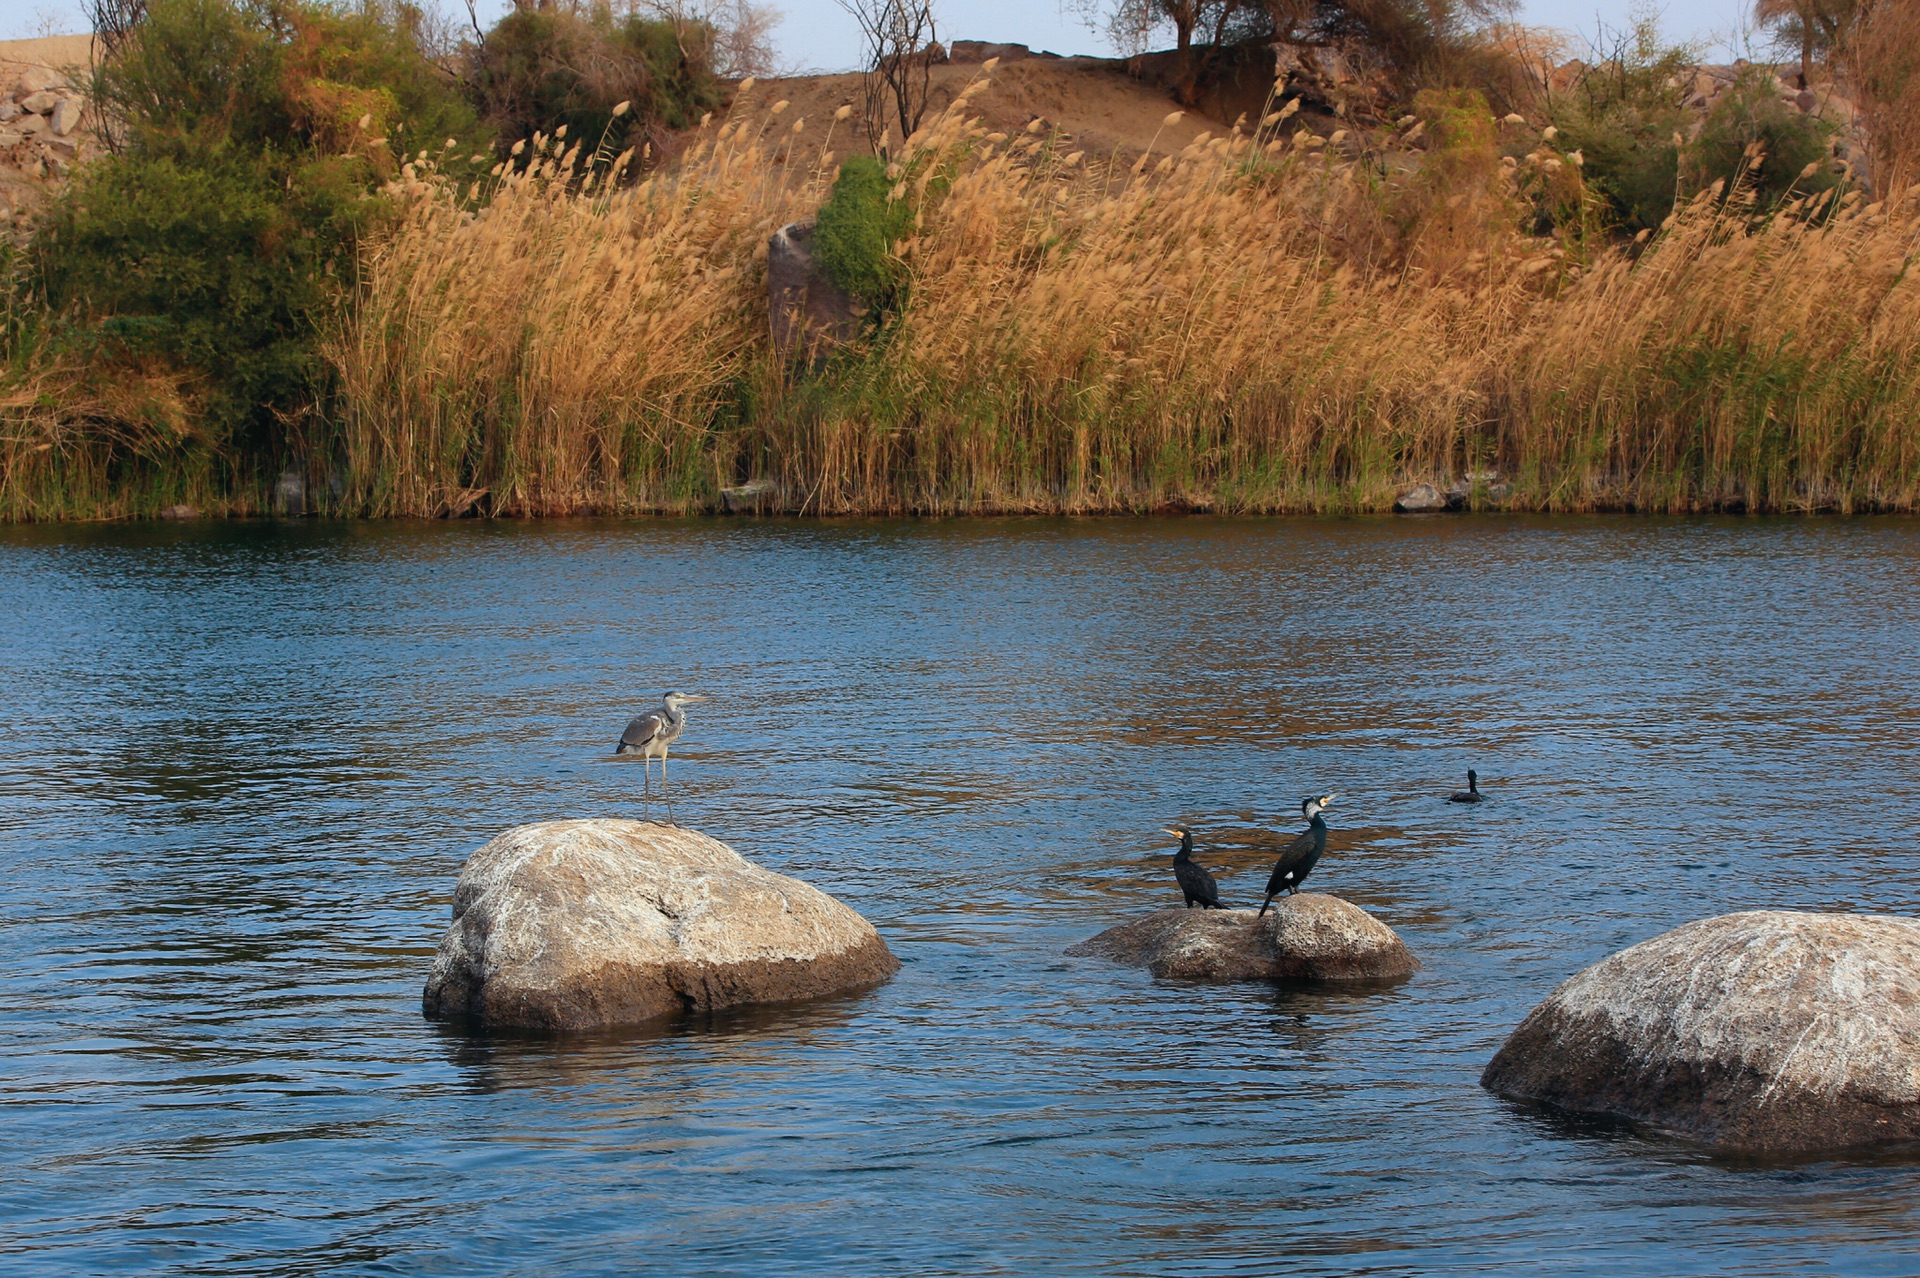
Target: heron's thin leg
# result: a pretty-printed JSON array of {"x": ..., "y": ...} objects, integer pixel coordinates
[
  {"x": 665, "y": 789},
  {"x": 646, "y": 770}
]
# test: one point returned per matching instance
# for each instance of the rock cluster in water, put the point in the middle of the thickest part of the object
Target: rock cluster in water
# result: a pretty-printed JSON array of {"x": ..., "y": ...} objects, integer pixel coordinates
[
  {"x": 1305, "y": 937},
  {"x": 1765, "y": 1031},
  {"x": 572, "y": 925}
]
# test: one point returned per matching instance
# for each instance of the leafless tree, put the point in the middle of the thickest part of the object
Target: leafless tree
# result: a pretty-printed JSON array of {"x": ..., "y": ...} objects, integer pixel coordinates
[
  {"x": 899, "y": 35},
  {"x": 738, "y": 34},
  {"x": 113, "y": 21},
  {"x": 743, "y": 38}
]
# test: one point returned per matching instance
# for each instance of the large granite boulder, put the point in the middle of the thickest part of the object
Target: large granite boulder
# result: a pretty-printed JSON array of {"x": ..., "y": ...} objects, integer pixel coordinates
[
  {"x": 810, "y": 314},
  {"x": 1305, "y": 937},
  {"x": 569, "y": 925},
  {"x": 1767, "y": 1031}
]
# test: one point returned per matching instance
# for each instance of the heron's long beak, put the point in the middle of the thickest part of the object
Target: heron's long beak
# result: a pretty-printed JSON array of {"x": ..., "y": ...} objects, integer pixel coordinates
[{"x": 692, "y": 698}]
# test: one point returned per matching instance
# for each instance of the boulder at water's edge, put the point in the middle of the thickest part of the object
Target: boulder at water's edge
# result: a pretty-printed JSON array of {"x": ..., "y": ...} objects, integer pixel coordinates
[
  {"x": 1305, "y": 937},
  {"x": 570, "y": 925},
  {"x": 1770, "y": 1031}
]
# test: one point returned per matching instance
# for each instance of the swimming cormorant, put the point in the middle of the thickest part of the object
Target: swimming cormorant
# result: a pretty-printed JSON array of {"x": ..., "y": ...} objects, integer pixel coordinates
[
  {"x": 1301, "y": 855},
  {"x": 1472, "y": 793},
  {"x": 1195, "y": 882}
]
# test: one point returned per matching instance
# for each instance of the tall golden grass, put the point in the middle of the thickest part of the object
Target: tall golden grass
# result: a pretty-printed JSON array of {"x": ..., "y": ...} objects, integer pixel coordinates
[{"x": 1266, "y": 320}]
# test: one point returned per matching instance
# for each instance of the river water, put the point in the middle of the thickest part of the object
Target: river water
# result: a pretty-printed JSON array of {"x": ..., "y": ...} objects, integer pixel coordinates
[{"x": 242, "y": 766}]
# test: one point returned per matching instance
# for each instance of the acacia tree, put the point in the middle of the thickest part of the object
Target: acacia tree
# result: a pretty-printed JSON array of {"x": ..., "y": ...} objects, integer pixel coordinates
[
  {"x": 899, "y": 36},
  {"x": 1133, "y": 25},
  {"x": 1403, "y": 34},
  {"x": 1816, "y": 26}
]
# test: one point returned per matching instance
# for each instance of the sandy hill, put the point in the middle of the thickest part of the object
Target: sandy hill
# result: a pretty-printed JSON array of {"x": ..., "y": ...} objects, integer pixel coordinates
[{"x": 1093, "y": 101}]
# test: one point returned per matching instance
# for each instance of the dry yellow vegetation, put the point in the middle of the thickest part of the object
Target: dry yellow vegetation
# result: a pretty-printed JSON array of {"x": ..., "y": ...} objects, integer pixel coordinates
[{"x": 1257, "y": 322}]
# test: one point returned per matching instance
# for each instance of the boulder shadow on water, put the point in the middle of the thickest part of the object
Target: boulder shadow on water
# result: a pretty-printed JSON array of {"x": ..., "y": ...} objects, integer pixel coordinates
[
  {"x": 754, "y": 1037},
  {"x": 1306, "y": 937}
]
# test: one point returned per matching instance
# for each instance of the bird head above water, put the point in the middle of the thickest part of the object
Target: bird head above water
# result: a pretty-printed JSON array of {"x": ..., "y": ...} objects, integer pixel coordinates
[
  {"x": 674, "y": 700},
  {"x": 1311, "y": 807},
  {"x": 1180, "y": 832}
]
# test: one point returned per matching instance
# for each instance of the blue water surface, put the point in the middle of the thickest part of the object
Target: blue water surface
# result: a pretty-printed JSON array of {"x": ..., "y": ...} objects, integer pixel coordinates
[{"x": 242, "y": 765}]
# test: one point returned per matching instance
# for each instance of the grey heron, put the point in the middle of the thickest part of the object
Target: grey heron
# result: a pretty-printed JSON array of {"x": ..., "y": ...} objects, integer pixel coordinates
[
  {"x": 1196, "y": 882},
  {"x": 1472, "y": 793},
  {"x": 1297, "y": 859},
  {"x": 650, "y": 735}
]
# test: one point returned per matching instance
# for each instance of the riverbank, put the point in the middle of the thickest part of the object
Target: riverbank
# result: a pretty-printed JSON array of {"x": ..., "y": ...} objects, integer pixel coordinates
[{"x": 1273, "y": 320}]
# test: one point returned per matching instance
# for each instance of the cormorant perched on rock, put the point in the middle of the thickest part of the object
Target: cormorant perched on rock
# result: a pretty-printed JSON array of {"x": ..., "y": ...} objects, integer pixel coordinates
[
  {"x": 1472, "y": 793},
  {"x": 1300, "y": 856},
  {"x": 1196, "y": 883}
]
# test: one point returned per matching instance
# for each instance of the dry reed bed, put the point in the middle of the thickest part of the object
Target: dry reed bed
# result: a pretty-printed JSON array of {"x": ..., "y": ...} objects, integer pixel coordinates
[{"x": 1253, "y": 324}]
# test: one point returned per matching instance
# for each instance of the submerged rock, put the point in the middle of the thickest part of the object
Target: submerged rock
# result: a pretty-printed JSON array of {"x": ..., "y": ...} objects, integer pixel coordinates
[
  {"x": 569, "y": 925},
  {"x": 1767, "y": 1031},
  {"x": 1307, "y": 937}
]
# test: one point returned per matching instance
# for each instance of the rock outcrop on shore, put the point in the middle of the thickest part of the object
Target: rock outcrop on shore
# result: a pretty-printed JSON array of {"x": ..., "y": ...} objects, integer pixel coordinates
[
  {"x": 1306, "y": 937},
  {"x": 1769, "y": 1031},
  {"x": 573, "y": 925},
  {"x": 809, "y": 314}
]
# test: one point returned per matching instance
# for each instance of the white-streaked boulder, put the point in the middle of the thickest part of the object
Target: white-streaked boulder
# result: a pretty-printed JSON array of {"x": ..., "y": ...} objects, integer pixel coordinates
[
  {"x": 571, "y": 925},
  {"x": 1766, "y": 1031}
]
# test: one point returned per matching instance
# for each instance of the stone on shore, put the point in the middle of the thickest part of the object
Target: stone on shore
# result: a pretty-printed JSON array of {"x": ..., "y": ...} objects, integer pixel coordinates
[
  {"x": 573, "y": 925},
  {"x": 1769, "y": 1031},
  {"x": 809, "y": 313},
  {"x": 1420, "y": 499},
  {"x": 1306, "y": 937}
]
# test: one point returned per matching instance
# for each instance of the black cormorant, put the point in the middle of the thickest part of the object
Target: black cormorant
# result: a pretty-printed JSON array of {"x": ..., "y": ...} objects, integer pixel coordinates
[
  {"x": 1472, "y": 793},
  {"x": 1300, "y": 856},
  {"x": 1195, "y": 882}
]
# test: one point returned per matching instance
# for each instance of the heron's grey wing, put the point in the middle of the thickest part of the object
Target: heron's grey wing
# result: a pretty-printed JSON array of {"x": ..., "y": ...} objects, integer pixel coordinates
[{"x": 644, "y": 728}]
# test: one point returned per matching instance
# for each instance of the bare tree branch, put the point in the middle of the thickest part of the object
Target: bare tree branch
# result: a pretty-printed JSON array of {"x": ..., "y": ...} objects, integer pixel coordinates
[{"x": 900, "y": 35}]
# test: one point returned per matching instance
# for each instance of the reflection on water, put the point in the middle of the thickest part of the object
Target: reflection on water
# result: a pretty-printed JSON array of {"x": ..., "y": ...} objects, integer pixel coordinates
[{"x": 244, "y": 765}]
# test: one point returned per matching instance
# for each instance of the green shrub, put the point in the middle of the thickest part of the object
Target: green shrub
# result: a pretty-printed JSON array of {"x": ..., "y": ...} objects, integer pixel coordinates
[
  {"x": 1626, "y": 118},
  {"x": 541, "y": 69},
  {"x": 856, "y": 230},
  {"x": 219, "y": 264},
  {"x": 251, "y": 137},
  {"x": 1751, "y": 135}
]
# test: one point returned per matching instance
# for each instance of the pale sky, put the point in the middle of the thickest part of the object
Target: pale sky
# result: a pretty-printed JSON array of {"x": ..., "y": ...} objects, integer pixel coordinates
[{"x": 817, "y": 34}]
